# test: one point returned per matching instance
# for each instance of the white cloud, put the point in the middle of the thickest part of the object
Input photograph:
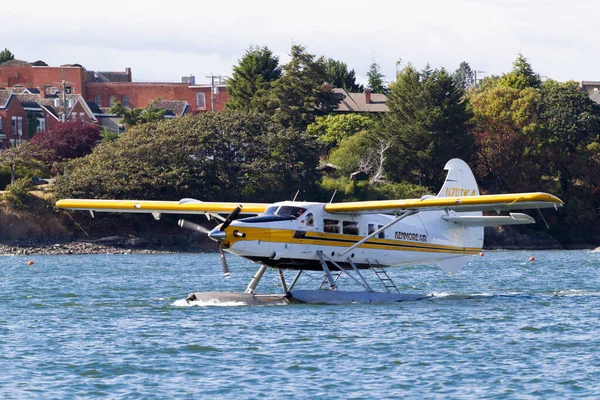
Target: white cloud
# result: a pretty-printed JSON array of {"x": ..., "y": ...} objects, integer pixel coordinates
[{"x": 163, "y": 41}]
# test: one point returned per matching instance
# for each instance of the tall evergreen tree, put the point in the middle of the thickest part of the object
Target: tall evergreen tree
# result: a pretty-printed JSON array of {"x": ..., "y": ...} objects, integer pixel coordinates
[
  {"x": 300, "y": 94},
  {"x": 252, "y": 78},
  {"x": 376, "y": 82},
  {"x": 522, "y": 75},
  {"x": 338, "y": 76},
  {"x": 428, "y": 123},
  {"x": 464, "y": 76},
  {"x": 6, "y": 55}
]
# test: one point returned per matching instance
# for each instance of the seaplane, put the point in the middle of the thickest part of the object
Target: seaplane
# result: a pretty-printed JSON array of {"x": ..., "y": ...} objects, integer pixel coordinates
[{"x": 347, "y": 238}]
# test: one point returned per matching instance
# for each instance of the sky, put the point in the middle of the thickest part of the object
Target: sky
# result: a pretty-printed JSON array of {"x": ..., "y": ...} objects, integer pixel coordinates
[{"x": 164, "y": 41}]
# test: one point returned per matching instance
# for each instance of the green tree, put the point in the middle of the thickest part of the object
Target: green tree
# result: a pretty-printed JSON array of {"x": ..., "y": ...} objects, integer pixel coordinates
[
  {"x": 506, "y": 135},
  {"x": 522, "y": 75},
  {"x": 21, "y": 156},
  {"x": 6, "y": 55},
  {"x": 464, "y": 76},
  {"x": 363, "y": 152},
  {"x": 300, "y": 94},
  {"x": 331, "y": 129},
  {"x": 135, "y": 116},
  {"x": 338, "y": 76},
  {"x": 570, "y": 122},
  {"x": 108, "y": 136},
  {"x": 252, "y": 77},
  {"x": 428, "y": 122},
  {"x": 375, "y": 79},
  {"x": 228, "y": 155}
]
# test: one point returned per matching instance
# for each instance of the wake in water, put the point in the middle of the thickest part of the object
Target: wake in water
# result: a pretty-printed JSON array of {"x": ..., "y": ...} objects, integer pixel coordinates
[{"x": 207, "y": 303}]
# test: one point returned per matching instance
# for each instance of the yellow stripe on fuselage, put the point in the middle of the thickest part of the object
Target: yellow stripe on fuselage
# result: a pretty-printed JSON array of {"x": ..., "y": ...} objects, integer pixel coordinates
[{"x": 270, "y": 235}]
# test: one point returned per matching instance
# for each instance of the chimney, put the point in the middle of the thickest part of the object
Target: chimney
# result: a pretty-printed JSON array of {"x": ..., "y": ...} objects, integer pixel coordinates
[
  {"x": 367, "y": 96},
  {"x": 42, "y": 92},
  {"x": 128, "y": 72}
]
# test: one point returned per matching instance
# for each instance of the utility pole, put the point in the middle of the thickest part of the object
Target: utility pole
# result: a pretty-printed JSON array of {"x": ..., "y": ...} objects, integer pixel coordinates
[
  {"x": 475, "y": 77},
  {"x": 213, "y": 88}
]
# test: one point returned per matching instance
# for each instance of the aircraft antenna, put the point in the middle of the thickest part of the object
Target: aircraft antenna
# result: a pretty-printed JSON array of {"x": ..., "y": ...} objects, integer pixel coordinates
[
  {"x": 297, "y": 192},
  {"x": 334, "y": 192}
]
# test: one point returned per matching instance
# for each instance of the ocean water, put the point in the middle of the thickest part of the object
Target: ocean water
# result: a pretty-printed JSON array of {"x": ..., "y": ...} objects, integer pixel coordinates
[{"x": 115, "y": 326}]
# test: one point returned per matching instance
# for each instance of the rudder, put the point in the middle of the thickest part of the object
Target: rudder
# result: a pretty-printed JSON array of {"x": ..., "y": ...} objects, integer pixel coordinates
[{"x": 460, "y": 180}]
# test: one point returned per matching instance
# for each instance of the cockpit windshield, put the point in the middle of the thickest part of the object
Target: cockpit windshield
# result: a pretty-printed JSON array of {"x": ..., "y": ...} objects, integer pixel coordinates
[{"x": 287, "y": 211}]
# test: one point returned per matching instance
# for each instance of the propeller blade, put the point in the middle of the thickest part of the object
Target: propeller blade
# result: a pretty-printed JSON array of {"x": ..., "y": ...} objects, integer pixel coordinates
[
  {"x": 231, "y": 217},
  {"x": 224, "y": 262},
  {"x": 192, "y": 226}
]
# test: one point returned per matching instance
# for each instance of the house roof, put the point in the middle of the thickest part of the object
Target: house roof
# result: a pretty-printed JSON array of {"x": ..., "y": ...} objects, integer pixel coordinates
[
  {"x": 94, "y": 107},
  {"x": 51, "y": 111},
  {"x": 356, "y": 102},
  {"x": 175, "y": 108},
  {"x": 31, "y": 104},
  {"x": 5, "y": 96}
]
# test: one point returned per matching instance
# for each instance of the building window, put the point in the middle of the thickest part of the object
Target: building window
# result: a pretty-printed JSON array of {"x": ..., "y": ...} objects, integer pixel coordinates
[
  {"x": 82, "y": 116},
  {"x": 125, "y": 101},
  {"x": 201, "y": 100},
  {"x": 0, "y": 123},
  {"x": 98, "y": 100},
  {"x": 111, "y": 101},
  {"x": 17, "y": 126},
  {"x": 41, "y": 125}
]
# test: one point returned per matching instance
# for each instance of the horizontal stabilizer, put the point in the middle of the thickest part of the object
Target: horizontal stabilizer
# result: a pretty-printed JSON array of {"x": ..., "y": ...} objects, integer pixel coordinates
[{"x": 491, "y": 220}]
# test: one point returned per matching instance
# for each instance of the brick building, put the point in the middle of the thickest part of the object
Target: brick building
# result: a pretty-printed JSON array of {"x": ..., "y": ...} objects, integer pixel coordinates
[
  {"x": 43, "y": 95},
  {"x": 14, "y": 125}
]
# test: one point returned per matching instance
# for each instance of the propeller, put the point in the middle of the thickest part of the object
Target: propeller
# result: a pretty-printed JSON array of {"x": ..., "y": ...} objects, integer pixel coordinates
[
  {"x": 217, "y": 235},
  {"x": 231, "y": 217},
  {"x": 192, "y": 226}
]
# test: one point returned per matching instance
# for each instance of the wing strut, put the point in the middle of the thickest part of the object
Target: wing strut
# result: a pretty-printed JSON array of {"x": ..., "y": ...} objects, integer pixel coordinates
[{"x": 383, "y": 228}]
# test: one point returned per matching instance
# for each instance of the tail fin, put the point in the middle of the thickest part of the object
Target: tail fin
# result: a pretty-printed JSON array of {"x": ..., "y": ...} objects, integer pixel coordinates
[{"x": 460, "y": 181}]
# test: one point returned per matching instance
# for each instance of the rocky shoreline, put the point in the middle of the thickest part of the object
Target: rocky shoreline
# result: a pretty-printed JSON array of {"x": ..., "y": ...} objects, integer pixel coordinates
[
  {"x": 74, "y": 248},
  {"x": 109, "y": 245}
]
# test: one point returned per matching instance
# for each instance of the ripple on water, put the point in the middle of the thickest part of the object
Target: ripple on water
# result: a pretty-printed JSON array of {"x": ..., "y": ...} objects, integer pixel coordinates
[{"x": 95, "y": 327}]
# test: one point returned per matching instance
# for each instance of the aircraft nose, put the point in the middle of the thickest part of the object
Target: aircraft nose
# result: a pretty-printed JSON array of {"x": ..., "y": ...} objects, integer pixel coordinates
[{"x": 217, "y": 234}]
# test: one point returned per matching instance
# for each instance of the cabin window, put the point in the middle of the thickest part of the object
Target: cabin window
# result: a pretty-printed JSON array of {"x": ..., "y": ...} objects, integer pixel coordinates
[
  {"x": 98, "y": 100},
  {"x": 350, "y": 228},
  {"x": 371, "y": 228},
  {"x": 288, "y": 211},
  {"x": 331, "y": 226},
  {"x": 310, "y": 220}
]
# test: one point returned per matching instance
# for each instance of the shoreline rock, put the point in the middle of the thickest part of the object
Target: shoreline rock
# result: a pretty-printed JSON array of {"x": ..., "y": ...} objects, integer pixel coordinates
[{"x": 81, "y": 248}]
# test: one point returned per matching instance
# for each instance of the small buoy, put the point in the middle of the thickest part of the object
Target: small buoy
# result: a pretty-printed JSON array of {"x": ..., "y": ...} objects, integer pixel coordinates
[
  {"x": 532, "y": 258},
  {"x": 481, "y": 254},
  {"x": 30, "y": 262}
]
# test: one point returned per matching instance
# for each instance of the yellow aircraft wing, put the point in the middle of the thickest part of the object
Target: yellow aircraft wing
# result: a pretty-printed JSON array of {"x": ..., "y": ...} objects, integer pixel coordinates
[
  {"x": 494, "y": 202},
  {"x": 185, "y": 206}
]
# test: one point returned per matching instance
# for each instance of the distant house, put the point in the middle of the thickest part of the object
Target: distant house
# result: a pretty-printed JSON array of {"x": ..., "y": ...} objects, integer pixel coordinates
[
  {"x": 365, "y": 102},
  {"x": 593, "y": 89},
  {"x": 14, "y": 125}
]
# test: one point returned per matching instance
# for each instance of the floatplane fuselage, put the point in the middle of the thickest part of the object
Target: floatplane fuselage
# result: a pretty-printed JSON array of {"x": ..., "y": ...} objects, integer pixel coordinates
[{"x": 339, "y": 238}]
